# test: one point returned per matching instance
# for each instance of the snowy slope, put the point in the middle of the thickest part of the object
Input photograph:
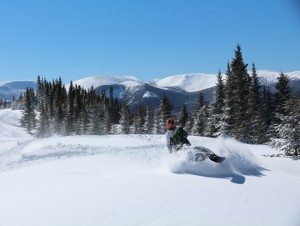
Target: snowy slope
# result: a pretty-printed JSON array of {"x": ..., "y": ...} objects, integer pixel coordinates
[
  {"x": 198, "y": 82},
  {"x": 103, "y": 80},
  {"x": 132, "y": 180},
  {"x": 11, "y": 89},
  {"x": 270, "y": 77},
  {"x": 189, "y": 82}
]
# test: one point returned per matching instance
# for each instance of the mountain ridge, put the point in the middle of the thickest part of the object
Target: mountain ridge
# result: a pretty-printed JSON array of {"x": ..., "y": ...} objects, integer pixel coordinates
[{"x": 184, "y": 88}]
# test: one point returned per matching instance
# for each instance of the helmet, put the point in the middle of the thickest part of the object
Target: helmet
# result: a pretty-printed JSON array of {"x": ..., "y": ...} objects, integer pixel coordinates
[{"x": 170, "y": 123}]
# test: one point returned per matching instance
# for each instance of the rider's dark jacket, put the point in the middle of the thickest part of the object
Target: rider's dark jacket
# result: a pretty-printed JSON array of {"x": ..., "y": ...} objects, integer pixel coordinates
[{"x": 176, "y": 138}]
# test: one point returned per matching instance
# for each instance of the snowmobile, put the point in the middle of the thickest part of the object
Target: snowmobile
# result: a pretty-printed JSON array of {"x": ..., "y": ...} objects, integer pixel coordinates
[{"x": 199, "y": 153}]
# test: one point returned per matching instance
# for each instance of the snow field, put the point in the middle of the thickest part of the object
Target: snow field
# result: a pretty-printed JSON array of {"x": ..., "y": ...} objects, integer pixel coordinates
[{"x": 132, "y": 180}]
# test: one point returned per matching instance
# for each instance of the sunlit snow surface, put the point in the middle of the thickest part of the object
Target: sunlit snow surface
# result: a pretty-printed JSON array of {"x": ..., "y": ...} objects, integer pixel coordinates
[{"x": 132, "y": 180}]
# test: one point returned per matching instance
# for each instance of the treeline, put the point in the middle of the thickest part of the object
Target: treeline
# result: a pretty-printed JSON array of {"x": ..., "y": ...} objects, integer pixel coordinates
[{"x": 241, "y": 108}]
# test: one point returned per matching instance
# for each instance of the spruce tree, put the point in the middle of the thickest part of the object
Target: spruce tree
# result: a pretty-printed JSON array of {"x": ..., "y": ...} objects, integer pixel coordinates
[
  {"x": 140, "y": 119},
  {"x": 148, "y": 127},
  {"x": 200, "y": 115},
  {"x": 70, "y": 114},
  {"x": 228, "y": 116},
  {"x": 125, "y": 121},
  {"x": 164, "y": 111},
  {"x": 183, "y": 116},
  {"x": 258, "y": 126},
  {"x": 289, "y": 128},
  {"x": 241, "y": 94},
  {"x": 283, "y": 93},
  {"x": 216, "y": 108},
  {"x": 59, "y": 106},
  {"x": 43, "y": 129},
  {"x": 28, "y": 120}
]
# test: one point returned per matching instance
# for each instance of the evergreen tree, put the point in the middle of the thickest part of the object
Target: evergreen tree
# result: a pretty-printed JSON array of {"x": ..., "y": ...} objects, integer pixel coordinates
[
  {"x": 241, "y": 94},
  {"x": 164, "y": 111},
  {"x": 28, "y": 119},
  {"x": 43, "y": 102},
  {"x": 70, "y": 114},
  {"x": 140, "y": 120},
  {"x": 216, "y": 108},
  {"x": 95, "y": 116},
  {"x": 228, "y": 116},
  {"x": 183, "y": 116},
  {"x": 200, "y": 115},
  {"x": 148, "y": 127},
  {"x": 258, "y": 126},
  {"x": 268, "y": 107},
  {"x": 289, "y": 128},
  {"x": 158, "y": 122},
  {"x": 59, "y": 106},
  {"x": 125, "y": 120},
  {"x": 282, "y": 96},
  {"x": 283, "y": 93}
]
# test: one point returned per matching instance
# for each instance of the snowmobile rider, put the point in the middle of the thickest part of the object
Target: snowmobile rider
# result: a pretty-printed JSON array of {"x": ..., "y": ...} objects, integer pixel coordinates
[{"x": 176, "y": 136}]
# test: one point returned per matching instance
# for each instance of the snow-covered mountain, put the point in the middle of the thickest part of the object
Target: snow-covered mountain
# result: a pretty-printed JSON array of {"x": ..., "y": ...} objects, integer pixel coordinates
[
  {"x": 179, "y": 88},
  {"x": 136, "y": 92},
  {"x": 198, "y": 82},
  {"x": 8, "y": 90},
  {"x": 188, "y": 82}
]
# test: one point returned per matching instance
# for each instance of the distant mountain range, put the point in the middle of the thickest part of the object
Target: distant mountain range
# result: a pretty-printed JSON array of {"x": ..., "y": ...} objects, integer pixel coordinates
[{"x": 179, "y": 88}]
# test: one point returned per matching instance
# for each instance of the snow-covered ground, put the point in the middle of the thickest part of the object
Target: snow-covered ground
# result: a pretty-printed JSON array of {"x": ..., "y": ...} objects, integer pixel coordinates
[{"x": 132, "y": 180}]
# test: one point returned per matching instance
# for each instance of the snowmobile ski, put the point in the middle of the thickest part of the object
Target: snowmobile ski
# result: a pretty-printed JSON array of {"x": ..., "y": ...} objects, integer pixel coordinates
[{"x": 202, "y": 153}]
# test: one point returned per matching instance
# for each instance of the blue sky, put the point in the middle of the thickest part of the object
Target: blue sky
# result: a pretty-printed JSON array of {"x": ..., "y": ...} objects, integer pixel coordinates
[{"x": 148, "y": 39}]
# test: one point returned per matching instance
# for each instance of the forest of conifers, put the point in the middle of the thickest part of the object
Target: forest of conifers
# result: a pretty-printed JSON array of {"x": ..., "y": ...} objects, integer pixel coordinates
[{"x": 241, "y": 108}]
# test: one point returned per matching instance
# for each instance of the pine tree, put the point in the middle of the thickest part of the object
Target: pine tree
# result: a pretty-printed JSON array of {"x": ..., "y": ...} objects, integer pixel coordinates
[
  {"x": 241, "y": 93},
  {"x": 268, "y": 107},
  {"x": 216, "y": 108},
  {"x": 258, "y": 126},
  {"x": 289, "y": 128},
  {"x": 28, "y": 119},
  {"x": 43, "y": 93},
  {"x": 95, "y": 116},
  {"x": 140, "y": 120},
  {"x": 59, "y": 106},
  {"x": 183, "y": 116},
  {"x": 125, "y": 120},
  {"x": 163, "y": 112},
  {"x": 148, "y": 127},
  {"x": 200, "y": 115},
  {"x": 283, "y": 93},
  {"x": 70, "y": 114},
  {"x": 228, "y": 116}
]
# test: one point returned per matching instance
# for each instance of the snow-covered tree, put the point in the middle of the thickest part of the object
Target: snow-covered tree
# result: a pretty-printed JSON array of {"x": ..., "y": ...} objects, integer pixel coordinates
[
  {"x": 283, "y": 93},
  {"x": 148, "y": 126},
  {"x": 257, "y": 126},
  {"x": 28, "y": 119},
  {"x": 228, "y": 115},
  {"x": 162, "y": 113},
  {"x": 125, "y": 120},
  {"x": 216, "y": 108},
  {"x": 289, "y": 129},
  {"x": 241, "y": 95},
  {"x": 183, "y": 116},
  {"x": 200, "y": 115}
]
